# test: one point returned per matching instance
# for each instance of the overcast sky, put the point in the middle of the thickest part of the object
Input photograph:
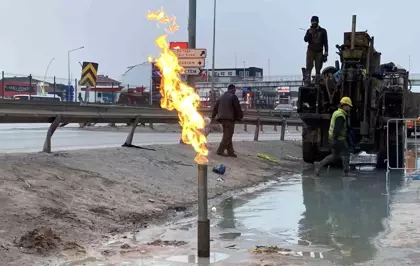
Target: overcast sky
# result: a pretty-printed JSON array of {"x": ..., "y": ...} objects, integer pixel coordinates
[{"x": 116, "y": 34}]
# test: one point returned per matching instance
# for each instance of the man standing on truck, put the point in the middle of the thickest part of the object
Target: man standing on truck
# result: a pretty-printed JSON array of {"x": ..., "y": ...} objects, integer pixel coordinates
[
  {"x": 337, "y": 136},
  {"x": 317, "y": 40},
  {"x": 227, "y": 110}
]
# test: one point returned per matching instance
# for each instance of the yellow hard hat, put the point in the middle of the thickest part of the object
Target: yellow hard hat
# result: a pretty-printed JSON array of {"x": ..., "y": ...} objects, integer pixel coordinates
[{"x": 346, "y": 100}]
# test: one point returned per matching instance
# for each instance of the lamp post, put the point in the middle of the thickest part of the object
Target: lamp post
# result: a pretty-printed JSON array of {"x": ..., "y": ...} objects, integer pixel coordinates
[
  {"x": 68, "y": 61},
  {"x": 48, "y": 67},
  {"x": 45, "y": 76}
]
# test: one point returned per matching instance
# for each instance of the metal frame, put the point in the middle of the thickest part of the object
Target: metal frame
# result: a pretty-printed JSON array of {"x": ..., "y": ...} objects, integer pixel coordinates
[{"x": 404, "y": 136}]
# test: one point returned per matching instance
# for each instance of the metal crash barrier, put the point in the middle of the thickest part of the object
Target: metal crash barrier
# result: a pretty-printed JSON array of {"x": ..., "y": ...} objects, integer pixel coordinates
[{"x": 410, "y": 154}]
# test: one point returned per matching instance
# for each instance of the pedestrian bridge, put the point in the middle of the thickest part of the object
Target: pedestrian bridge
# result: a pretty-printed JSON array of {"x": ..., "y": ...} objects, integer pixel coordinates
[{"x": 273, "y": 82}]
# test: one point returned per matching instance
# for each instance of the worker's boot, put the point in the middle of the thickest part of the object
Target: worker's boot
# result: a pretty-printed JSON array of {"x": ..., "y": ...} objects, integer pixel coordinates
[
  {"x": 346, "y": 165},
  {"x": 317, "y": 166},
  {"x": 307, "y": 79},
  {"x": 317, "y": 79}
]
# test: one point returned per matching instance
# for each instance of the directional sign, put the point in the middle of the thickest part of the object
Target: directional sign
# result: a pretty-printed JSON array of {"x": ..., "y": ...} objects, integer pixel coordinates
[
  {"x": 192, "y": 71},
  {"x": 89, "y": 72},
  {"x": 193, "y": 62},
  {"x": 190, "y": 53}
]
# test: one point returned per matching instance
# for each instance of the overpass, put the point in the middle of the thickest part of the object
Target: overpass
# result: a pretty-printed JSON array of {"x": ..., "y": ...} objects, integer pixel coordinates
[{"x": 273, "y": 82}]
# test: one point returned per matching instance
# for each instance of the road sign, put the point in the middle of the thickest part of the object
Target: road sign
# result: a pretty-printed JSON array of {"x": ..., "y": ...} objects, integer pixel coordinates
[
  {"x": 178, "y": 45},
  {"x": 191, "y": 63},
  {"x": 192, "y": 71},
  {"x": 89, "y": 72},
  {"x": 190, "y": 53}
]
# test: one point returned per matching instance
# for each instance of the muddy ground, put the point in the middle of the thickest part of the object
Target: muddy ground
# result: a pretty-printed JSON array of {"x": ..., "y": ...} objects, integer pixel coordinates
[{"x": 59, "y": 204}]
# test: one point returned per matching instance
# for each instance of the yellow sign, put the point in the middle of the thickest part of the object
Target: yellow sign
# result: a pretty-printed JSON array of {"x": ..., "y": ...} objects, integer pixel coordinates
[{"x": 89, "y": 72}]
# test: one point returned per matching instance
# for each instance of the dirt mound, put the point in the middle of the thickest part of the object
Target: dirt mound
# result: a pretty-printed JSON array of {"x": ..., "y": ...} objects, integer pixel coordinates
[{"x": 42, "y": 240}]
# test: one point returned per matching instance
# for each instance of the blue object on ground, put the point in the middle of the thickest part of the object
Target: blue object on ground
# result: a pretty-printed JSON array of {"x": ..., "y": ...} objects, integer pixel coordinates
[{"x": 219, "y": 169}]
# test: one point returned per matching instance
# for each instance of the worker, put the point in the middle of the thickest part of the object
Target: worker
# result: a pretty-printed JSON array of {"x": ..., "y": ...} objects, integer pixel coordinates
[
  {"x": 337, "y": 136},
  {"x": 226, "y": 111},
  {"x": 317, "y": 40}
]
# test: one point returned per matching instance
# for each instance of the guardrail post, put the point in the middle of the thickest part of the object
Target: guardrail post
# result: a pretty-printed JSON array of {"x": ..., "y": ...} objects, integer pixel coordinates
[
  {"x": 283, "y": 129},
  {"x": 275, "y": 126},
  {"x": 50, "y": 133},
  {"x": 129, "y": 140},
  {"x": 257, "y": 129}
]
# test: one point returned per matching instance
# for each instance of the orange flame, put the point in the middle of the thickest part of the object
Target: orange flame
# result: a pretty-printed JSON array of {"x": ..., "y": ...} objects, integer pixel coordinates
[{"x": 176, "y": 94}]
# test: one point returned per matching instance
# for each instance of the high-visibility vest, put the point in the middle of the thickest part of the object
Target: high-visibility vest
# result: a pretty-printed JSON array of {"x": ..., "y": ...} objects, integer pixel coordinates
[{"x": 338, "y": 113}]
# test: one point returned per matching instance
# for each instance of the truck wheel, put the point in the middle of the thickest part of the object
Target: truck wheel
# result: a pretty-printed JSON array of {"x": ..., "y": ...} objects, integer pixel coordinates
[{"x": 309, "y": 151}]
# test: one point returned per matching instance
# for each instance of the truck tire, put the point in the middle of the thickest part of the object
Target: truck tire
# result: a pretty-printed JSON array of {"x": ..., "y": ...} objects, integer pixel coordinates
[{"x": 309, "y": 151}]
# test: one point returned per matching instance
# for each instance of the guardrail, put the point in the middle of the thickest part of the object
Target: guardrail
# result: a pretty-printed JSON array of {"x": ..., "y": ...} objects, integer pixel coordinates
[
  {"x": 106, "y": 108},
  {"x": 58, "y": 117}
]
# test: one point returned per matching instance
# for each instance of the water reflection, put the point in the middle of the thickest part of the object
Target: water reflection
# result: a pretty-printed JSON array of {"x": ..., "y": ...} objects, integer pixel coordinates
[
  {"x": 346, "y": 214},
  {"x": 339, "y": 216},
  {"x": 228, "y": 216}
]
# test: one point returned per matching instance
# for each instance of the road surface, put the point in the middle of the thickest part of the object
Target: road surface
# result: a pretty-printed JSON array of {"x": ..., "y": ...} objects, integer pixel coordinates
[{"x": 30, "y": 138}]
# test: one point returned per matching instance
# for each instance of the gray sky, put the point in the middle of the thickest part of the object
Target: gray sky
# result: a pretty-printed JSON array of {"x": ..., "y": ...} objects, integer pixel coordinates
[{"x": 116, "y": 34}]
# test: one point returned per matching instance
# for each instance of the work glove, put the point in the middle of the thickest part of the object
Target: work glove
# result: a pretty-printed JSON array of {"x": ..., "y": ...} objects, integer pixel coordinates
[{"x": 324, "y": 58}]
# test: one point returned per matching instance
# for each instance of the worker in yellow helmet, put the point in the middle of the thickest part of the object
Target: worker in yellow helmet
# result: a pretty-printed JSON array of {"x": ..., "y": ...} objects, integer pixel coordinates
[{"x": 337, "y": 136}]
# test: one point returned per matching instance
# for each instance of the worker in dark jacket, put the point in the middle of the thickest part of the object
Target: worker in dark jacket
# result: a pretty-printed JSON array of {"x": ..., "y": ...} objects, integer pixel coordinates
[
  {"x": 226, "y": 111},
  {"x": 317, "y": 52},
  {"x": 337, "y": 136}
]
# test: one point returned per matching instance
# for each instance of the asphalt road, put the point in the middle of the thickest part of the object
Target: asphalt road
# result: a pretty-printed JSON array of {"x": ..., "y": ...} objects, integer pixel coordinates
[{"x": 30, "y": 138}]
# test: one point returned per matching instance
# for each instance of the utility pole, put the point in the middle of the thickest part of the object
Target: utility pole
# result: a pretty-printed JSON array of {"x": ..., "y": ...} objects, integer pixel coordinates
[
  {"x": 212, "y": 92},
  {"x": 203, "y": 223}
]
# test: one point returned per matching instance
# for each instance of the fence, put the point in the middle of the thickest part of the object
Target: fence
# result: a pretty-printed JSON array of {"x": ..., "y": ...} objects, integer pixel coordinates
[{"x": 402, "y": 152}]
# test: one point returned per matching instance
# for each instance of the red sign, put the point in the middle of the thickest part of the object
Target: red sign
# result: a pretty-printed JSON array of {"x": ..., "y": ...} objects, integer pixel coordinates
[
  {"x": 178, "y": 45},
  {"x": 283, "y": 89}
]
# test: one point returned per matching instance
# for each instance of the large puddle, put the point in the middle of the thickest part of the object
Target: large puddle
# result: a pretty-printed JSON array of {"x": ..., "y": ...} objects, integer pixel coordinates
[
  {"x": 325, "y": 217},
  {"x": 329, "y": 217}
]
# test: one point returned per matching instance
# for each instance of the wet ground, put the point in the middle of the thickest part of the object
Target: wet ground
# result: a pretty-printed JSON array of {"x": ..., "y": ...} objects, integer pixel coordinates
[
  {"x": 30, "y": 138},
  {"x": 326, "y": 220}
]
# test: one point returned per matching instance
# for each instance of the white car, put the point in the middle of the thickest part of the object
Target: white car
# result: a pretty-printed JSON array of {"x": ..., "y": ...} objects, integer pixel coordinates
[{"x": 285, "y": 110}]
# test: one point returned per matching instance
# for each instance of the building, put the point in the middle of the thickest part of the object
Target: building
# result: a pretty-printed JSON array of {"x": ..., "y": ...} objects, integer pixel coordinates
[
  {"x": 107, "y": 90},
  {"x": 233, "y": 74},
  {"x": 11, "y": 86}
]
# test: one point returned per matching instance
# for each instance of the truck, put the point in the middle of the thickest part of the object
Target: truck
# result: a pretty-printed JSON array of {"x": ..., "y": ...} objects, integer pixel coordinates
[{"x": 378, "y": 92}]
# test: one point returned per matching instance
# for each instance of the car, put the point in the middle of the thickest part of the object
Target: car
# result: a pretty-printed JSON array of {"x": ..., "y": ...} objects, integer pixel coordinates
[{"x": 284, "y": 110}]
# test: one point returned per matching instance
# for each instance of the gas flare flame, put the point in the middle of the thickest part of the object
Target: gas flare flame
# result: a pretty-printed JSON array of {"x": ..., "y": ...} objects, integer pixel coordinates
[{"x": 176, "y": 94}]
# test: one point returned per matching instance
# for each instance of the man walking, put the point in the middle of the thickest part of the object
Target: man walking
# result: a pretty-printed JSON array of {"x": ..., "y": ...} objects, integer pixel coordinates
[
  {"x": 227, "y": 110},
  {"x": 337, "y": 136},
  {"x": 317, "y": 40}
]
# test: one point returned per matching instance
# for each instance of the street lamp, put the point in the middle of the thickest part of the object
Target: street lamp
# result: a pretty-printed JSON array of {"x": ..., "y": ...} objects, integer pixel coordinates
[
  {"x": 68, "y": 59},
  {"x": 48, "y": 67},
  {"x": 213, "y": 95},
  {"x": 45, "y": 76}
]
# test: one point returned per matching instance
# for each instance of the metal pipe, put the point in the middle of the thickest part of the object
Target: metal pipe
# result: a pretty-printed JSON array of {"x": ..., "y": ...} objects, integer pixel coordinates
[
  {"x": 203, "y": 223},
  {"x": 353, "y": 31}
]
